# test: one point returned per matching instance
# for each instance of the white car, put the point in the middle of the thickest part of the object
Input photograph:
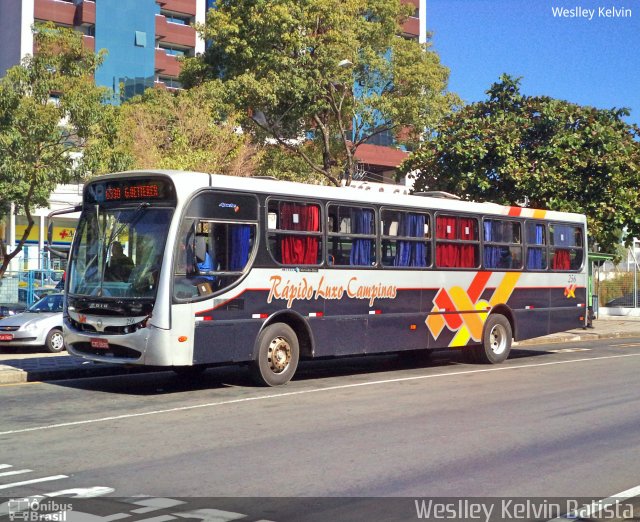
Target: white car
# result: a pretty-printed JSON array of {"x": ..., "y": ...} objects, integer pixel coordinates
[{"x": 38, "y": 325}]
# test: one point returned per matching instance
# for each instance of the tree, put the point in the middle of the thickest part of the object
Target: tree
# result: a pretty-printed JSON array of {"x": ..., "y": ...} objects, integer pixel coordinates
[
  {"x": 334, "y": 72},
  {"x": 540, "y": 152},
  {"x": 188, "y": 130},
  {"x": 49, "y": 111}
]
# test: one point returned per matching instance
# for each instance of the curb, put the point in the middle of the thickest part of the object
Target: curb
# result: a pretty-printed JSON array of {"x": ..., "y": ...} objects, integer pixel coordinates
[
  {"x": 571, "y": 338},
  {"x": 9, "y": 375}
]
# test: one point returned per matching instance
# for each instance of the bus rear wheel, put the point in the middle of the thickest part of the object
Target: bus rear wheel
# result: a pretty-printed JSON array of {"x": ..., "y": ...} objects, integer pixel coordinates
[
  {"x": 496, "y": 340},
  {"x": 277, "y": 355}
]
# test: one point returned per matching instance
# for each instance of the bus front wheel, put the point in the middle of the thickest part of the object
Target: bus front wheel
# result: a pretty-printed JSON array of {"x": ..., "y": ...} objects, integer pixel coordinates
[
  {"x": 277, "y": 355},
  {"x": 496, "y": 340}
]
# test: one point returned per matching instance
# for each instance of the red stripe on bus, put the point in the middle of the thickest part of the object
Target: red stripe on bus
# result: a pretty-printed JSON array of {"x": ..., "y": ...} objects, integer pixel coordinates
[
  {"x": 444, "y": 302},
  {"x": 477, "y": 286},
  {"x": 515, "y": 211}
]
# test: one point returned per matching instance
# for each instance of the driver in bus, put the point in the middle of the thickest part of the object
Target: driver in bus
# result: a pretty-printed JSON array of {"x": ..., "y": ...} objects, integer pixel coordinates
[{"x": 120, "y": 266}]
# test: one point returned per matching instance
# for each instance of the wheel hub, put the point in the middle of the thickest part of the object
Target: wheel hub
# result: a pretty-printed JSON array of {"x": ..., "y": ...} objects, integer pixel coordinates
[
  {"x": 498, "y": 339},
  {"x": 279, "y": 354}
]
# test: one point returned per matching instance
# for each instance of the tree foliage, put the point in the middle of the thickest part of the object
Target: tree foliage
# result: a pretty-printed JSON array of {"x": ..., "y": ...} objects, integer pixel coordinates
[
  {"x": 332, "y": 71},
  {"x": 188, "y": 130},
  {"x": 41, "y": 136},
  {"x": 542, "y": 152}
]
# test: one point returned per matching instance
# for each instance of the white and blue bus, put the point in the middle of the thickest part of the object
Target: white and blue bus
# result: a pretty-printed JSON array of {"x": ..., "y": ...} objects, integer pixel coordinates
[{"x": 189, "y": 270}]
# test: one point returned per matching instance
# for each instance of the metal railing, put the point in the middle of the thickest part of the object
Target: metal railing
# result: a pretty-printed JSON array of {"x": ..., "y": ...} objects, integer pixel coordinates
[
  {"x": 25, "y": 287},
  {"x": 618, "y": 286}
]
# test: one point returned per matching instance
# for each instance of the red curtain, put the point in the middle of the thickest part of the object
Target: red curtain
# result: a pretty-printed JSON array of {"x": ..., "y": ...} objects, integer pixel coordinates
[
  {"x": 455, "y": 254},
  {"x": 299, "y": 250},
  {"x": 561, "y": 260},
  {"x": 447, "y": 254},
  {"x": 467, "y": 252}
]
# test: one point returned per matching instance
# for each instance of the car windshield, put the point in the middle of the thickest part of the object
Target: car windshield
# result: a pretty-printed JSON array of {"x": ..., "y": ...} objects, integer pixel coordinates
[
  {"x": 119, "y": 252},
  {"x": 50, "y": 303}
]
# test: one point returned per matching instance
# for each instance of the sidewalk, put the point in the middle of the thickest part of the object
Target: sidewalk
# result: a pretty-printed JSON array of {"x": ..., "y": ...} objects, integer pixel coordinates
[{"x": 29, "y": 366}]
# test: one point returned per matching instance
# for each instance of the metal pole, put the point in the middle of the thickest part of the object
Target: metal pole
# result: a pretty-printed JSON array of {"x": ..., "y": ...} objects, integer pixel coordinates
[{"x": 635, "y": 275}]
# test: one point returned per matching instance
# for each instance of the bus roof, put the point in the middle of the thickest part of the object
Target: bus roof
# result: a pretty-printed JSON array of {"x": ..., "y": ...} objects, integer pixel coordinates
[{"x": 186, "y": 182}]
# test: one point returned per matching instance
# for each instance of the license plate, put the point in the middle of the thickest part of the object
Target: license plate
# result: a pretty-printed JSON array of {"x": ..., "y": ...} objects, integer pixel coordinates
[
  {"x": 6, "y": 337},
  {"x": 101, "y": 344}
]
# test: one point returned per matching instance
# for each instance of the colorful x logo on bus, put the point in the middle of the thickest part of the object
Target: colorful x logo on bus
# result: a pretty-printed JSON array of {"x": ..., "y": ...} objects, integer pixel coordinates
[{"x": 462, "y": 311}]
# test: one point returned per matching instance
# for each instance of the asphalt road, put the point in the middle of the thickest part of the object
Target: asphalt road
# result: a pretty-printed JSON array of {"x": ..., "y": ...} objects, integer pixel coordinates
[{"x": 555, "y": 421}]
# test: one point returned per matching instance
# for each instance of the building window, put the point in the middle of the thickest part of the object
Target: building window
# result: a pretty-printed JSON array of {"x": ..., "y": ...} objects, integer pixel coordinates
[
  {"x": 169, "y": 82},
  {"x": 175, "y": 51},
  {"x": 176, "y": 20},
  {"x": 385, "y": 139},
  {"x": 141, "y": 39}
]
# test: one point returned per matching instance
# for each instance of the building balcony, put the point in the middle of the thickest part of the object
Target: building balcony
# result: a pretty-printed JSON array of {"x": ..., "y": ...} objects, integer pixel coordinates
[
  {"x": 380, "y": 156},
  {"x": 89, "y": 42},
  {"x": 166, "y": 64},
  {"x": 56, "y": 11},
  {"x": 411, "y": 27},
  {"x": 86, "y": 13},
  {"x": 171, "y": 33},
  {"x": 179, "y": 6}
]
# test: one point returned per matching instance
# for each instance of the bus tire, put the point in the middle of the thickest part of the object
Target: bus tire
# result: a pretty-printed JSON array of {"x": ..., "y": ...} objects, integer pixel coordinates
[
  {"x": 54, "y": 342},
  {"x": 496, "y": 340},
  {"x": 277, "y": 355}
]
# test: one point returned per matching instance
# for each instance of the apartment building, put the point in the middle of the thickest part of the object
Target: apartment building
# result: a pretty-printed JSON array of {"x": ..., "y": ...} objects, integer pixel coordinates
[{"x": 143, "y": 38}]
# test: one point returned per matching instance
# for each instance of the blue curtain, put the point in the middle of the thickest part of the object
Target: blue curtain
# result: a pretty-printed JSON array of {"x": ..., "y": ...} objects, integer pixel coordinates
[
  {"x": 492, "y": 256},
  {"x": 564, "y": 235},
  {"x": 535, "y": 256},
  {"x": 240, "y": 243},
  {"x": 410, "y": 253},
  {"x": 361, "y": 223}
]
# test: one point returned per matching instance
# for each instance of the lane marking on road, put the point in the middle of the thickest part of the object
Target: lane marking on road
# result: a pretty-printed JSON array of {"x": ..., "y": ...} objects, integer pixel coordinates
[
  {"x": 569, "y": 350},
  {"x": 309, "y": 391},
  {"x": 32, "y": 481},
  {"x": 589, "y": 510},
  {"x": 629, "y": 345},
  {"x": 16, "y": 472}
]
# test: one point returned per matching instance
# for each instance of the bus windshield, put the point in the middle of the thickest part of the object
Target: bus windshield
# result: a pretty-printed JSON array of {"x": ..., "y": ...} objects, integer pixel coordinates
[{"x": 119, "y": 251}]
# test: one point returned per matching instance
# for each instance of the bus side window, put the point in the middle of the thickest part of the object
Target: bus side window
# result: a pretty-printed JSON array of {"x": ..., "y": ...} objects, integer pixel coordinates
[
  {"x": 406, "y": 239},
  {"x": 566, "y": 247},
  {"x": 456, "y": 242},
  {"x": 294, "y": 232},
  {"x": 352, "y": 240},
  {"x": 502, "y": 244},
  {"x": 537, "y": 246}
]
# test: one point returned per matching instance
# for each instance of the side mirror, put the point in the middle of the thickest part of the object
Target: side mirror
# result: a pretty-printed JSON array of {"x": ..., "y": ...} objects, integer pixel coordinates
[{"x": 49, "y": 242}]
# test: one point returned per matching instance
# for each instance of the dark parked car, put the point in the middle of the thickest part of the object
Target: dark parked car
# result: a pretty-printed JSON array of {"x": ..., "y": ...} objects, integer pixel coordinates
[{"x": 625, "y": 300}]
